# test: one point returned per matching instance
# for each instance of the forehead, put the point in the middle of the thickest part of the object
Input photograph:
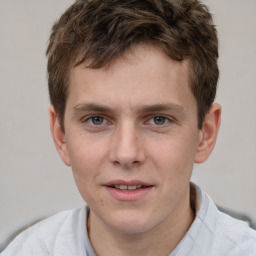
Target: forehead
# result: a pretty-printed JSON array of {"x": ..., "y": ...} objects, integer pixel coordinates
[{"x": 143, "y": 75}]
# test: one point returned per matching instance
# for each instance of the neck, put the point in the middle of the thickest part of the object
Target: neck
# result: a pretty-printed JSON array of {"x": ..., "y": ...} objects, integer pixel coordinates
[{"x": 160, "y": 240}]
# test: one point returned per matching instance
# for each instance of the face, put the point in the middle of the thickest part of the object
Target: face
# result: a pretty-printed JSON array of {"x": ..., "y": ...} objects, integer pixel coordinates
[{"x": 131, "y": 137}]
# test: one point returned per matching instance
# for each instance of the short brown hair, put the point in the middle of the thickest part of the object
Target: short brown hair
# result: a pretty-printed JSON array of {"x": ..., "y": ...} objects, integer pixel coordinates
[{"x": 101, "y": 30}]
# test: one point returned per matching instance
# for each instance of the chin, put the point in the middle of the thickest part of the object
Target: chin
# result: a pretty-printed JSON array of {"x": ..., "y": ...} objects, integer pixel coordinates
[{"x": 130, "y": 224}]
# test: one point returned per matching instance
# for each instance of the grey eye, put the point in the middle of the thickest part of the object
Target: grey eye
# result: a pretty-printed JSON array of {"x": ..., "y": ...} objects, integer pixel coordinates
[
  {"x": 159, "y": 120},
  {"x": 97, "y": 120}
]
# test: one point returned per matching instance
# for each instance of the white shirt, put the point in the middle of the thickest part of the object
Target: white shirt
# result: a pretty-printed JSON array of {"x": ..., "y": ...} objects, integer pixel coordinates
[{"x": 211, "y": 234}]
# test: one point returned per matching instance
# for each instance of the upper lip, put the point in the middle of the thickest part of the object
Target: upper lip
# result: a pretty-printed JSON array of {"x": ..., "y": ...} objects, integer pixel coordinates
[{"x": 127, "y": 183}]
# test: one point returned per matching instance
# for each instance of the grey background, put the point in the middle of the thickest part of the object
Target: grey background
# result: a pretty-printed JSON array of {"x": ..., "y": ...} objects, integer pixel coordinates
[{"x": 34, "y": 183}]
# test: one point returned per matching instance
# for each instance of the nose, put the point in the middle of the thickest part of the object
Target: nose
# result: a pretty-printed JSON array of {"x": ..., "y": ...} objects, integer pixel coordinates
[{"x": 127, "y": 146}]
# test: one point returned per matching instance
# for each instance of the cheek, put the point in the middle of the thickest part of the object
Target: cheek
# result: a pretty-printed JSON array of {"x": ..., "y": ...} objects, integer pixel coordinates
[
  {"x": 86, "y": 160},
  {"x": 84, "y": 152},
  {"x": 174, "y": 157},
  {"x": 86, "y": 165}
]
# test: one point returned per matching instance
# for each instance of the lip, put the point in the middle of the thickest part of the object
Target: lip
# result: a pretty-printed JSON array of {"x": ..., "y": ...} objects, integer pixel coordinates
[
  {"x": 127, "y": 183},
  {"x": 128, "y": 195}
]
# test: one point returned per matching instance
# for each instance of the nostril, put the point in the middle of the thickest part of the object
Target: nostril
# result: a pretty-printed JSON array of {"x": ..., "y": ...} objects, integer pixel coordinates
[{"x": 127, "y": 164}]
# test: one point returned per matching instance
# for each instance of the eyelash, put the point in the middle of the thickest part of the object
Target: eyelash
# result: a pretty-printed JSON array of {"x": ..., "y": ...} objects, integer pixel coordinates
[
  {"x": 166, "y": 120},
  {"x": 90, "y": 120},
  {"x": 104, "y": 120}
]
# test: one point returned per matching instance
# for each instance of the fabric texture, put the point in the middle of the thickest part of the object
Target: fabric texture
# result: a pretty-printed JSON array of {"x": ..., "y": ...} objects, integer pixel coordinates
[{"x": 212, "y": 233}]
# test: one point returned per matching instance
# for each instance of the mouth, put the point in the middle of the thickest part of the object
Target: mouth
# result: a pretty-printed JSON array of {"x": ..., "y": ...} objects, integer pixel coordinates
[
  {"x": 128, "y": 190},
  {"x": 129, "y": 187}
]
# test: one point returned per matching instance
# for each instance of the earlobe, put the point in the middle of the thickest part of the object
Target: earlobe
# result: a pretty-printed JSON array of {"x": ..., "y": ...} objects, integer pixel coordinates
[
  {"x": 208, "y": 133},
  {"x": 58, "y": 136}
]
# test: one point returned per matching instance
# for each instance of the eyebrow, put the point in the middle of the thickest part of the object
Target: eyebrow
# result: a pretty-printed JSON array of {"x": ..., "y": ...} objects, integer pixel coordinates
[
  {"x": 161, "y": 107},
  {"x": 87, "y": 107}
]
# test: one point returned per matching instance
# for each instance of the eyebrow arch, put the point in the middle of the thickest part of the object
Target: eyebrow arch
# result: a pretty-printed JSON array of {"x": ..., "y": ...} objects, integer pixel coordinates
[
  {"x": 87, "y": 107},
  {"x": 161, "y": 107}
]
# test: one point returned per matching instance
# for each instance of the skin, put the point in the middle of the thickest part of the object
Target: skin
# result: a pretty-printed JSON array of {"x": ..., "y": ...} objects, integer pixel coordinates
[{"x": 145, "y": 129}]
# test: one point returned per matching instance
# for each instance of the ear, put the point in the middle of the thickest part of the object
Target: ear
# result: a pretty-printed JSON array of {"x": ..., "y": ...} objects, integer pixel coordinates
[
  {"x": 208, "y": 133},
  {"x": 58, "y": 136}
]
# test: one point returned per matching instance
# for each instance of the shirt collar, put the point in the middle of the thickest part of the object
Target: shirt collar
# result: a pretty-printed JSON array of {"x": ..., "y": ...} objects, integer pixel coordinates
[{"x": 200, "y": 238}]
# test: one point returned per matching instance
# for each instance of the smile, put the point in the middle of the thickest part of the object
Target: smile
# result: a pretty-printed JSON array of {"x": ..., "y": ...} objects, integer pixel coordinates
[
  {"x": 127, "y": 187},
  {"x": 128, "y": 190}
]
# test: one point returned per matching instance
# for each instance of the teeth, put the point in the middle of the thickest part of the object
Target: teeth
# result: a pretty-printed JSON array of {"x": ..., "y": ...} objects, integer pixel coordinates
[
  {"x": 125, "y": 187},
  {"x": 132, "y": 187}
]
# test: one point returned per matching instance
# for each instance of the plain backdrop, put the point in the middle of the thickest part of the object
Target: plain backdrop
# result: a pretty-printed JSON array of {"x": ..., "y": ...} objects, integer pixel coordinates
[{"x": 34, "y": 183}]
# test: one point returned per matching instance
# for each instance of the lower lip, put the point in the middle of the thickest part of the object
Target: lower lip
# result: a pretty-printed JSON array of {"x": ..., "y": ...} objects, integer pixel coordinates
[{"x": 129, "y": 195}]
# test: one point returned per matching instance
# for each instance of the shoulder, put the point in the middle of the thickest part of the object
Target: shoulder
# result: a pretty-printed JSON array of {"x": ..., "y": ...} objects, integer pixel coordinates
[
  {"x": 218, "y": 234},
  {"x": 234, "y": 237},
  {"x": 53, "y": 233}
]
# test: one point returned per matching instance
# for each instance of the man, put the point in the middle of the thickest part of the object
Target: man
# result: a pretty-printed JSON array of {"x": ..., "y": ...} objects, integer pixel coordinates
[{"x": 132, "y": 85}]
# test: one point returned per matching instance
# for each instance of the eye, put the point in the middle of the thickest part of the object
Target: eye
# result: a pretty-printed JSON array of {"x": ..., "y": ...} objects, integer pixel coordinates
[
  {"x": 96, "y": 120},
  {"x": 159, "y": 120}
]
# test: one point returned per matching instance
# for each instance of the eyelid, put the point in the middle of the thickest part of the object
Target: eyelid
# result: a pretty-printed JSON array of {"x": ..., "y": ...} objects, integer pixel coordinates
[
  {"x": 108, "y": 121},
  {"x": 89, "y": 117},
  {"x": 168, "y": 120}
]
